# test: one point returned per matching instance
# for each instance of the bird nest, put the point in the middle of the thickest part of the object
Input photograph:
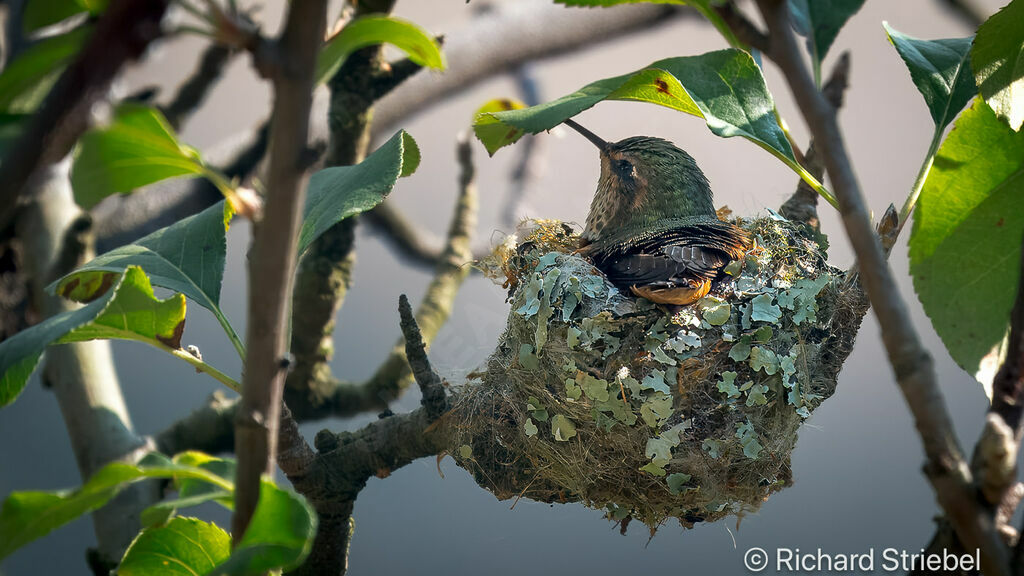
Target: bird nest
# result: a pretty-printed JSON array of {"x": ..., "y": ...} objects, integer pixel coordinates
[{"x": 595, "y": 396}]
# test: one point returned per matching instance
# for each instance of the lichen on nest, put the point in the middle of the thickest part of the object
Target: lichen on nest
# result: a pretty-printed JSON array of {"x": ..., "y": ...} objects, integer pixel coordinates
[{"x": 596, "y": 396}]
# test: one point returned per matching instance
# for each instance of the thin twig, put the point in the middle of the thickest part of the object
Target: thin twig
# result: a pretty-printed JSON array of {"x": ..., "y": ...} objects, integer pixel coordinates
[
  {"x": 325, "y": 272},
  {"x": 915, "y": 371},
  {"x": 393, "y": 376}
]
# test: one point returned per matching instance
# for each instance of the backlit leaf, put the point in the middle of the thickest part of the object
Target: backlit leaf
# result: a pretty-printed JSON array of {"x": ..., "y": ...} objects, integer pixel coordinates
[
  {"x": 941, "y": 70},
  {"x": 998, "y": 62},
  {"x": 182, "y": 547},
  {"x": 418, "y": 45},
  {"x": 137, "y": 148},
  {"x": 343, "y": 191},
  {"x": 129, "y": 311},
  {"x": 28, "y": 78},
  {"x": 966, "y": 240},
  {"x": 28, "y": 516},
  {"x": 186, "y": 257},
  {"x": 279, "y": 535}
]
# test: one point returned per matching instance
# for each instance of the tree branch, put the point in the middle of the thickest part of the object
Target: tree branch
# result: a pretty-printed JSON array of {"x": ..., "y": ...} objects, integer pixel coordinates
[
  {"x": 325, "y": 271},
  {"x": 122, "y": 33},
  {"x": 393, "y": 377},
  {"x": 915, "y": 372},
  {"x": 346, "y": 461},
  {"x": 57, "y": 238},
  {"x": 209, "y": 428},
  {"x": 273, "y": 254}
]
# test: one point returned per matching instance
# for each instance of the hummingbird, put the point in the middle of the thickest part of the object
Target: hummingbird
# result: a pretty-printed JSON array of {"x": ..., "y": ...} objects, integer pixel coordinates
[{"x": 652, "y": 226}]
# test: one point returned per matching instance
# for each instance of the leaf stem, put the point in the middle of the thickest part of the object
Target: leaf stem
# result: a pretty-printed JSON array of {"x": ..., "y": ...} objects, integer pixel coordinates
[
  {"x": 803, "y": 173},
  {"x": 200, "y": 366},
  {"x": 230, "y": 331},
  {"x": 219, "y": 181},
  {"x": 922, "y": 176}
]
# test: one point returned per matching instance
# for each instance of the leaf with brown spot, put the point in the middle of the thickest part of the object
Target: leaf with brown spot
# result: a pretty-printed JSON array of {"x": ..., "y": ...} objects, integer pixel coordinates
[
  {"x": 187, "y": 257},
  {"x": 725, "y": 88},
  {"x": 490, "y": 131},
  {"x": 129, "y": 311}
]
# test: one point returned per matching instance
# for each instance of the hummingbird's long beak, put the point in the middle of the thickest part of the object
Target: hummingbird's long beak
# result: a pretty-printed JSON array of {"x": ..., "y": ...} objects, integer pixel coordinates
[{"x": 587, "y": 134}]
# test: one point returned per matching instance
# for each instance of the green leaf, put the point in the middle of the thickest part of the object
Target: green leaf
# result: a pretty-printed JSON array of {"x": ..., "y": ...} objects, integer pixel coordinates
[
  {"x": 186, "y": 257},
  {"x": 489, "y": 129},
  {"x": 820, "y": 21},
  {"x": 279, "y": 535},
  {"x": 129, "y": 312},
  {"x": 182, "y": 547},
  {"x": 998, "y": 62},
  {"x": 420, "y": 46},
  {"x": 162, "y": 512},
  {"x": 28, "y": 516},
  {"x": 941, "y": 70},
  {"x": 725, "y": 88},
  {"x": 966, "y": 239},
  {"x": 193, "y": 491},
  {"x": 42, "y": 13},
  {"x": 26, "y": 81},
  {"x": 339, "y": 192},
  {"x": 138, "y": 148}
]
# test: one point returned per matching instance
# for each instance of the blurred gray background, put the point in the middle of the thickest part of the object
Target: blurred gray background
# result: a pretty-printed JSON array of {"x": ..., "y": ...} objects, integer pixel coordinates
[{"x": 857, "y": 465}]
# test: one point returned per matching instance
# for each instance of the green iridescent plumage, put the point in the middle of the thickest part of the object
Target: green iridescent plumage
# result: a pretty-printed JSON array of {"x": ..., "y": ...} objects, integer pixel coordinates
[{"x": 652, "y": 226}]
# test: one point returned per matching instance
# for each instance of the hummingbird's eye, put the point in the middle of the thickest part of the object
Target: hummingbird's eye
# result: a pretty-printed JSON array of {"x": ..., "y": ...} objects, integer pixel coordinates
[{"x": 624, "y": 168}]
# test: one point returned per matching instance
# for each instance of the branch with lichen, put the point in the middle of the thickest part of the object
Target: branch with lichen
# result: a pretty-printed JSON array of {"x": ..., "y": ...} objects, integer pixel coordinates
[
  {"x": 332, "y": 478},
  {"x": 208, "y": 428},
  {"x": 394, "y": 376},
  {"x": 325, "y": 272}
]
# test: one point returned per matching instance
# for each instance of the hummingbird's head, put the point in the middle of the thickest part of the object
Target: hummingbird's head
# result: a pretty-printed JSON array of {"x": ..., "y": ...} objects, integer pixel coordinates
[{"x": 644, "y": 180}]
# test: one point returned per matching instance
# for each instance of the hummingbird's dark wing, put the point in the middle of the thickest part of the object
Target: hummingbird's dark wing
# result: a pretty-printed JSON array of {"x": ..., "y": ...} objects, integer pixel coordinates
[
  {"x": 668, "y": 266},
  {"x": 671, "y": 265}
]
